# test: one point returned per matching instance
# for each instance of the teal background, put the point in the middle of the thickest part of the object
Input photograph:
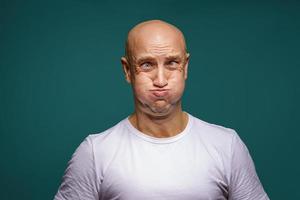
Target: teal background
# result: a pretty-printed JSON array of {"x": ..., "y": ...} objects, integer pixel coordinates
[{"x": 61, "y": 79}]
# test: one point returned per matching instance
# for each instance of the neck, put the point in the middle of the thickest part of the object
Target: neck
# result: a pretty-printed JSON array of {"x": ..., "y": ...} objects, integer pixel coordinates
[{"x": 162, "y": 126}]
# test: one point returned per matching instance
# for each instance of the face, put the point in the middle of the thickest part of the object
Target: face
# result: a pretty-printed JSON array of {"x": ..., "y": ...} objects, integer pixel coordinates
[{"x": 157, "y": 71}]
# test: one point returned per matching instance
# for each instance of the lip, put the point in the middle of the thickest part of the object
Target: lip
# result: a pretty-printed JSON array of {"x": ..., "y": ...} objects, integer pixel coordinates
[{"x": 159, "y": 92}]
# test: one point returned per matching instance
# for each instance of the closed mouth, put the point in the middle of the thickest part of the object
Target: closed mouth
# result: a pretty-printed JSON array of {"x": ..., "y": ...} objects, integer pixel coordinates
[{"x": 159, "y": 92}]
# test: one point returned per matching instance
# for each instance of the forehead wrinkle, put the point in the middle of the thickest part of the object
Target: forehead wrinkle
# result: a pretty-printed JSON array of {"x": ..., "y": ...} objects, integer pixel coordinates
[
  {"x": 161, "y": 50},
  {"x": 152, "y": 50},
  {"x": 167, "y": 51},
  {"x": 154, "y": 54}
]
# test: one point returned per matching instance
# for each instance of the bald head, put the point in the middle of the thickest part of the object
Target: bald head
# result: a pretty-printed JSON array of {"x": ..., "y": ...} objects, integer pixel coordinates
[
  {"x": 152, "y": 31},
  {"x": 155, "y": 65}
]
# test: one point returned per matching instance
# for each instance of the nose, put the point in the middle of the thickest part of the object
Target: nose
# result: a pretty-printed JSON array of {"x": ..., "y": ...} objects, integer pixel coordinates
[{"x": 160, "y": 79}]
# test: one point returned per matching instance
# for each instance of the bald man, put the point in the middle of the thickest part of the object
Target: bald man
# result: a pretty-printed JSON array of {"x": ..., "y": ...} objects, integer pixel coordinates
[{"x": 160, "y": 151}]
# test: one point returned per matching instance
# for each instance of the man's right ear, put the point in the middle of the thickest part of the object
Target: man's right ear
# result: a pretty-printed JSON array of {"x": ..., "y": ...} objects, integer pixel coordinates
[{"x": 126, "y": 69}]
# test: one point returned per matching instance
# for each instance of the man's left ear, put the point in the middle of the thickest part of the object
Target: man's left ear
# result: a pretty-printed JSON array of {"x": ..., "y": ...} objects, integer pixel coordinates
[{"x": 186, "y": 65}]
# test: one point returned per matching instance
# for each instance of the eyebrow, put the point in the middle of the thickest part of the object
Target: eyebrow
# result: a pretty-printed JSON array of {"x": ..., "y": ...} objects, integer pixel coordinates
[
  {"x": 149, "y": 58},
  {"x": 144, "y": 58},
  {"x": 174, "y": 57}
]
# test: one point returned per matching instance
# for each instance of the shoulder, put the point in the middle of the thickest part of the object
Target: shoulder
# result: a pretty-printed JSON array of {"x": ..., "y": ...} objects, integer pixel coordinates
[
  {"x": 111, "y": 133},
  {"x": 216, "y": 135},
  {"x": 107, "y": 142},
  {"x": 97, "y": 142}
]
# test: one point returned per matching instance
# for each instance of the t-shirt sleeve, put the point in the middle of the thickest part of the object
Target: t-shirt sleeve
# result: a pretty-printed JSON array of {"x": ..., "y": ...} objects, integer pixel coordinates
[
  {"x": 80, "y": 179},
  {"x": 244, "y": 182}
]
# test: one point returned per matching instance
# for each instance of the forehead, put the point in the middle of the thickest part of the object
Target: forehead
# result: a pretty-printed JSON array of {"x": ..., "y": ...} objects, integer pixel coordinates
[{"x": 147, "y": 47}]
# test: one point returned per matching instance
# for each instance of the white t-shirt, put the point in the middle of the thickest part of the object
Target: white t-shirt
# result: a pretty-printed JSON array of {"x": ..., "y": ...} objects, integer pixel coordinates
[{"x": 204, "y": 161}]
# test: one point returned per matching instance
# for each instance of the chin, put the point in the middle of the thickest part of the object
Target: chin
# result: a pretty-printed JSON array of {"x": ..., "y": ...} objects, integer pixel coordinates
[
  {"x": 156, "y": 108},
  {"x": 159, "y": 111}
]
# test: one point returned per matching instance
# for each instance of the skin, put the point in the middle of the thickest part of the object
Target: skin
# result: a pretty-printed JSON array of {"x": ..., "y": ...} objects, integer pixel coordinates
[{"x": 155, "y": 65}]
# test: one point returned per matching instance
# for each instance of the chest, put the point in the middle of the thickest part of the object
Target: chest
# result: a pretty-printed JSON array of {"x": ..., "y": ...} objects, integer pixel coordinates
[{"x": 163, "y": 172}]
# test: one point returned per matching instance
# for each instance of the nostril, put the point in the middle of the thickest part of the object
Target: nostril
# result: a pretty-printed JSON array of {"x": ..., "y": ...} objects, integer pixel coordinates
[{"x": 160, "y": 82}]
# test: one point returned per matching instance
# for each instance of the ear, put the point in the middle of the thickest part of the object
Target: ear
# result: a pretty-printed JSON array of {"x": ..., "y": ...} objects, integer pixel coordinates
[
  {"x": 126, "y": 69},
  {"x": 186, "y": 66}
]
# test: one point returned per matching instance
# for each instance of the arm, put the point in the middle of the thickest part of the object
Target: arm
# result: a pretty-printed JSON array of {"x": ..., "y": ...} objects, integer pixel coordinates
[
  {"x": 244, "y": 182},
  {"x": 80, "y": 179}
]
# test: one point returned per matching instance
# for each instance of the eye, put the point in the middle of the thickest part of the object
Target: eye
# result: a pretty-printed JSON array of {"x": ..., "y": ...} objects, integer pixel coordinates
[
  {"x": 172, "y": 64},
  {"x": 146, "y": 66}
]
